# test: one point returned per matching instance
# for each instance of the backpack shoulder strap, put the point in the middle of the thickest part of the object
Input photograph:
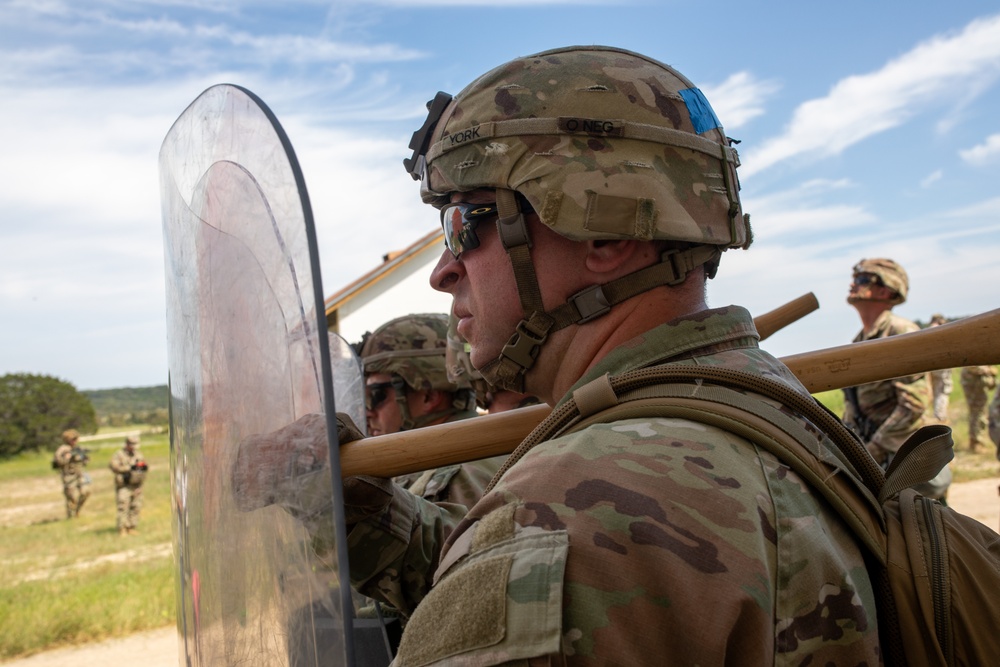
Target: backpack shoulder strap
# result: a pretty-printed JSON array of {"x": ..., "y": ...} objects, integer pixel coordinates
[{"x": 775, "y": 431}]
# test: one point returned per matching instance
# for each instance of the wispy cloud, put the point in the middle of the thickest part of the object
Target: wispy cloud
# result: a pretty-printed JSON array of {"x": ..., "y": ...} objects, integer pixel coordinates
[
  {"x": 932, "y": 178},
  {"x": 984, "y": 153},
  {"x": 739, "y": 99},
  {"x": 861, "y": 106}
]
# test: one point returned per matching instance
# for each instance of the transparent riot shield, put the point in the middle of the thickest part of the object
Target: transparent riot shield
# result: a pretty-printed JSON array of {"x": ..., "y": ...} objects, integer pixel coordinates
[{"x": 249, "y": 354}]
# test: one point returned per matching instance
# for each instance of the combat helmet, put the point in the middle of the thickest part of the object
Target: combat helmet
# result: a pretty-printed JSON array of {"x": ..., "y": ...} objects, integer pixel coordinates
[
  {"x": 889, "y": 272},
  {"x": 412, "y": 350},
  {"x": 70, "y": 435},
  {"x": 601, "y": 143}
]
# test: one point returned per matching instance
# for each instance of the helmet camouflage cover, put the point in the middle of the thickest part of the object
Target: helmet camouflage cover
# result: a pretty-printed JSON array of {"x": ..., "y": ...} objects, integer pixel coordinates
[
  {"x": 602, "y": 142},
  {"x": 890, "y": 273},
  {"x": 69, "y": 435},
  {"x": 412, "y": 347}
]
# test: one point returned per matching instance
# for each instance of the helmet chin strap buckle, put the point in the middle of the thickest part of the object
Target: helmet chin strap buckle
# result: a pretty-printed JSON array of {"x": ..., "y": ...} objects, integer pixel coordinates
[
  {"x": 524, "y": 345},
  {"x": 591, "y": 303}
]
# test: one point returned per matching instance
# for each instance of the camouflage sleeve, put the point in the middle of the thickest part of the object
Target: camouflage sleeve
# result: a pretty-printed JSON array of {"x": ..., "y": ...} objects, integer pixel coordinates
[
  {"x": 913, "y": 401},
  {"x": 463, "y": 484},
  {"x": 119, "y": 463},
  {"x": 647, "y": 540},
  {"x": 394, "y": 554}
]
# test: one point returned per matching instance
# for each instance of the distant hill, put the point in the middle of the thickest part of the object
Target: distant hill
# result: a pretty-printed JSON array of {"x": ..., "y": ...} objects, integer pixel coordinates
[{"x": 128, "y": 403}]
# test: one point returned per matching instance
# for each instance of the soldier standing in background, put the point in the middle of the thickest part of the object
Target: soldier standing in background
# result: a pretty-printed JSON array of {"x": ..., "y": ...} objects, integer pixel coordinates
[
  {"x": 888, "y": 412},
  {"x": 994, "y": 422},
  {"x": 941, "y": 381},
  {"x": 977, "y": 382},
  {"x": 70, "y": 459},
  {"x": 130, "y": 470}
]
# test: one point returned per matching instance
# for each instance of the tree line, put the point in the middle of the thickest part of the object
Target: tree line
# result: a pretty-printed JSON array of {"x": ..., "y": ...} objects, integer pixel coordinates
[{"x": 36, "y": 409}]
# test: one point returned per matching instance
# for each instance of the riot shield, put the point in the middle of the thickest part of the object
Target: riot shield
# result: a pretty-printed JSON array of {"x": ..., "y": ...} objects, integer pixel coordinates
[{"x": 248, "y": 353}]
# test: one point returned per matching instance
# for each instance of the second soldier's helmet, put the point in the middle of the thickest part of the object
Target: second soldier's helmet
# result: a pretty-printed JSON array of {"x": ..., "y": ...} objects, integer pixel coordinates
[
  {"x": 413, "y": 348},
  {"x": 890, "y": 273},
  {"x": 69, "y": 435}
]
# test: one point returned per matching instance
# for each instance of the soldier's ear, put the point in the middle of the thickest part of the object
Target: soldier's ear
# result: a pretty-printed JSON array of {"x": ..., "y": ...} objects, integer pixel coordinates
[{"x": 610, "y": 256}]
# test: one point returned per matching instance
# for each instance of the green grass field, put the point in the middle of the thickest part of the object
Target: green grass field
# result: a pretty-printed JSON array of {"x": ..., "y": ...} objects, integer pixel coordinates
[{"x": 69, "y": 582}]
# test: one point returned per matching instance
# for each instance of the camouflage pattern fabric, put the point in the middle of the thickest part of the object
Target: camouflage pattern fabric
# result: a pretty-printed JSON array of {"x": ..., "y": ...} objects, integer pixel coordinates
[
  {"x": 412, "y": 347},
  {"x": 890, "y": 273},
  {"x": 603, "y": 143},
  {"x": 639, "y": 541},
  {"x": 895, "y": 408},
  {"x": 941, "y": 386},
  {"x": 977, "y": 382},
  {"x": 76, "y": 483},
  {"x": 994, "y": 421},
  {"x": 128, "y": 487}
]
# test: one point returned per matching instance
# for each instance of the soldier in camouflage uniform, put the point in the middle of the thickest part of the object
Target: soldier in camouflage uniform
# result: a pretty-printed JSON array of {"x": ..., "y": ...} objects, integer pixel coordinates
[
  {"x": 71, "y": 460},
  {"x": 994, "y": 422},
  {"x": 129, "y": 469},
  {"x": 408, "y": 386},
  {"x": 941, "y": 381},
  {"x": 884, "y": 414},
  {"x": 604, "y": 179},
  {"x": 977, "y": 383}
]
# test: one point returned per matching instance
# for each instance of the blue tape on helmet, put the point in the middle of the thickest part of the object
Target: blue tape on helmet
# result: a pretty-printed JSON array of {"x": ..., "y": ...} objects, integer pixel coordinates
[{"x": 702, "y": 116}]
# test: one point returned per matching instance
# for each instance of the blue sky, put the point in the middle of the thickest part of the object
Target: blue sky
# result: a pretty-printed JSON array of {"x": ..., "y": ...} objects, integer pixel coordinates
[{"x": 867, "y": 129}]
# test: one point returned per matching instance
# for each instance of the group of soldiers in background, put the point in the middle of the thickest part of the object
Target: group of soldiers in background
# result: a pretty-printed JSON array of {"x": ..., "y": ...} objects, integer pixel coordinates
[
  {"x": 127, "y": 465},
  {"x": 886, "y": 413},
  {"x": 977, "y": 382}
]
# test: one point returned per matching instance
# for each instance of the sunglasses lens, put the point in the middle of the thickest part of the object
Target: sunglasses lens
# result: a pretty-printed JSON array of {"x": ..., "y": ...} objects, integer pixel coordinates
[
  {"x": 376, "y": 394},
  {"x": 459, "y": 222},
  {"x": 452, "y": 222}
]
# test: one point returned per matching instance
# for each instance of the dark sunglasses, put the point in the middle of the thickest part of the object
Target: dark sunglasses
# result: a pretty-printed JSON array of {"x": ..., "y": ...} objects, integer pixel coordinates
[
  {"x": 459, "y": 222},
  {"x": 867, "y": 279},
  {"x": 376, "y": 393}
]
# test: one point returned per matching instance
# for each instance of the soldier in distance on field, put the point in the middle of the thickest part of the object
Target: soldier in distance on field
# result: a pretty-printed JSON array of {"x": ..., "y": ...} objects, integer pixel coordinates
[
  {"x": 130, "y": 470},
  {"x": 71, "y": 461}
]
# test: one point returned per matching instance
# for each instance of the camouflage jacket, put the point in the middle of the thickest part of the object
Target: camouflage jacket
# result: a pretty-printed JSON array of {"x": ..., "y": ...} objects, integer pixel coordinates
[
  {"x": 463, "y": 484},
  {"x": 122, "y": 464},
  {"x": 893, "y": 409},
  {"x": 71, "y": 463},
  {"x": 642, "y": 541}
]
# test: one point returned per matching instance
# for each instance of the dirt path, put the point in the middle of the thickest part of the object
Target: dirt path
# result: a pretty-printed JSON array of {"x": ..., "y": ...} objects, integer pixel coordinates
[
  {"x": 156, "y": 648},
  {"x": 159, "y": 648}
]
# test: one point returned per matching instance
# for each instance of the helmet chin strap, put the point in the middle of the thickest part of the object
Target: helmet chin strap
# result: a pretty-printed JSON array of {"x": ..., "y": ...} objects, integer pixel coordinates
[{"x": 508, "y": 371}]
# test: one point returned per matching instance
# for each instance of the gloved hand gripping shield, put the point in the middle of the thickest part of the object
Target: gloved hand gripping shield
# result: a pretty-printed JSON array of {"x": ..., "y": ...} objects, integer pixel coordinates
[{"x": 248, "y": 355}]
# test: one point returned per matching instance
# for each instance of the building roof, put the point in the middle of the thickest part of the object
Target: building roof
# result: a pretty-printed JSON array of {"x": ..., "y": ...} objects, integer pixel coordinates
[{"x": 392, "y": 262}]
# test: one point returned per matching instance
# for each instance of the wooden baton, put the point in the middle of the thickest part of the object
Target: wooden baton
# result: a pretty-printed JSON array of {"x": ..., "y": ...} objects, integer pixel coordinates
[
  {"x": 973, "y": 341},
  {"x": 782, "y": 316}
]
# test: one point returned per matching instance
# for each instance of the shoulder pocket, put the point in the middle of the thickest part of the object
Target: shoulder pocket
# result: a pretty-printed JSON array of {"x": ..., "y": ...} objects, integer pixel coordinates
[{"x": 502, "y": 601}]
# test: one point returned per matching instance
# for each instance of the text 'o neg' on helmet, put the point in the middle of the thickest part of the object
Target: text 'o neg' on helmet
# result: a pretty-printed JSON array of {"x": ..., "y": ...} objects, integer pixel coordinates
[
  {"x": 890, "y": 273},
  {"x": 603, "y": 143},
  {"x": 412, "y": 347}
]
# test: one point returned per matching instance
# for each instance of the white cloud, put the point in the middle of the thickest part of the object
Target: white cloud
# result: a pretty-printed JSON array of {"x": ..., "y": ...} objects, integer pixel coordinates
[
  {"x": 984, "y": 153},
  {"x": 739, "y": 99},
  {"x": 861, "y": 106},
  {"x": 931, "y": 178}
]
